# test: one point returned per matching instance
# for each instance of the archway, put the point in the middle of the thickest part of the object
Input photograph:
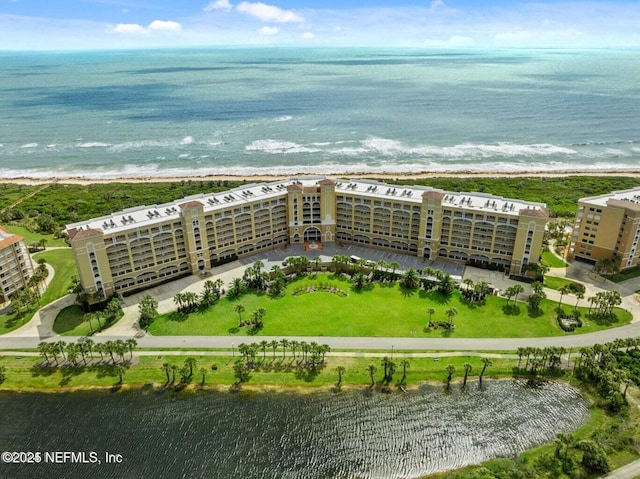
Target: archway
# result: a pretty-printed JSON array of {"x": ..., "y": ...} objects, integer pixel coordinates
[{"x": 312, "y": 234}]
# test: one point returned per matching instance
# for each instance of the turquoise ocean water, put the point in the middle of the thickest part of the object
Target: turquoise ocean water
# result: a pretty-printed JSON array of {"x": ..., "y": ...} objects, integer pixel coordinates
[{"x": 284, "y": 111}]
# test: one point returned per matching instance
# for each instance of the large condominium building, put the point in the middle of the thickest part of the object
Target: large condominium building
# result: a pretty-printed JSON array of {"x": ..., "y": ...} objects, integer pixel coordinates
[
  {"x": 142, "y": 246},
  {"x": 15, "y": 264},
  {"x": 608, "y": 227}
]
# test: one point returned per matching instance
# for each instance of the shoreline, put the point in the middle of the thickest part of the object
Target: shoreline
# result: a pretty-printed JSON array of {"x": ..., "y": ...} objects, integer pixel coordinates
[{"x": 85, "y": 180}]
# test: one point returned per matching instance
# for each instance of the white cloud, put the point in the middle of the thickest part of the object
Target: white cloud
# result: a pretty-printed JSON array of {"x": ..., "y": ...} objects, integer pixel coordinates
[
  {"x": 455, "y": 41},
  {"x": 129, "y": 29},
  {"x": 269, "y": 13},
  {"x": 164, "y": 26},
  {"x": 155, "y": 26},
  {"x": 218, "y": 5},
  {"x": 268, "y": 31},
  {"x": 307, "y": 36},
  {"x": 436, "y": 4}
]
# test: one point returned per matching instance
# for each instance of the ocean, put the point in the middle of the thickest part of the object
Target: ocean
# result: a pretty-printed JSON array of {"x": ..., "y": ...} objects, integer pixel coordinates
[{"x": 263, "y": 111}]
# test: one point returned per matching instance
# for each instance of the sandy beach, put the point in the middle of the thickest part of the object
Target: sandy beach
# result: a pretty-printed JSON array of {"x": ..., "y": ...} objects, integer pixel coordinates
[{"x": 379, "y": 176}]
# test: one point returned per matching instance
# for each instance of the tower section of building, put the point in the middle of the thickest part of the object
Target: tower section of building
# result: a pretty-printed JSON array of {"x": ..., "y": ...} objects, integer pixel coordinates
[
  {"x": 608, "y": 227},
  {"x": 15, "y": 264}
]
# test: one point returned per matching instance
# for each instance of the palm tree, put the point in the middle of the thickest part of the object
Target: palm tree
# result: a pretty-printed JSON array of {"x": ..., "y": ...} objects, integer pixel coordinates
[
  {"x": 341, "y": 370},
  {"x": 174, "y": 369},
  {"x": 284, "y": 343},
  {"x": 486, "y": 362},
  {"x": 517, "y": 289},
  {"x": 190, "y": 363},
  {"x": 166, "y": 367},
  {"x": 450, "y": 370},
  {"x": 394, "y": 265},
  {"x": 563, "y": 290},
  {"x": 451, "y": 312},
  {"x": 203, "y": 371},
  {"x": 131, "y": 343},
  {"x": 430, "y": 312},
  {"x": 385, "y": 363},
  {"x": 410, "y": 279},
  {"x": 120, "y": 370},
  {"x": 274, "y": 345},
  {"x": 372, "y": 370},
  {"x": 467, "y": 370},
  {"x": 405, "y": 365},
  {"x": 239, "y": 309},
  {"x": 579, "y": 296},
  {"x": 263, "y": 345}
]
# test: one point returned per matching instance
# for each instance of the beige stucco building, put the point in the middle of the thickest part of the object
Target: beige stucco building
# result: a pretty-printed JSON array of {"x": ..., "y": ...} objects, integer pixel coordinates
[
  {"x": 143, "y": 246},
  {"x": 15, "y": 264},
  {"x": 608, "y": 227}
]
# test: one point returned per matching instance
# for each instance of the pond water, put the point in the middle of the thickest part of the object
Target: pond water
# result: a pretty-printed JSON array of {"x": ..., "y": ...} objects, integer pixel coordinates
[{"x": 283, "y": 435}]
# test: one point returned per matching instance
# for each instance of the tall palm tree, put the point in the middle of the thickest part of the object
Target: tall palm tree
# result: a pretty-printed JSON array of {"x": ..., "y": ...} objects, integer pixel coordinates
[
  {"x": 371, "y": 369},
  {"x": 166, "y": 367},
  {"x": 239, "y": 308},
  {"x": 394, "y": 266},
  {"x": 451, "y": 312},
  {"x": 450, "y": 370},
  {"x": 190, "y": 363},
  {"x": 563, "y": 290},
  {"x": 264, "y": 344},
  {"x": 405, "y": 364},
  {"x": 430, "y": 312},
  {"x": 467, "y": 370},
  {"x": 131, "y": 344},
  {"x": 341, "y": 370},
  {"x": 203, "y": 371},
  {"x": 517, "y": 289},
  {"x": 284, "y": 343},
  {"x": 274, "y": 345}
]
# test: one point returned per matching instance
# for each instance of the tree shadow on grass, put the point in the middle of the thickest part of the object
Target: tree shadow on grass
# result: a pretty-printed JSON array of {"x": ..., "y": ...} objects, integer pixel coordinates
[
  {"x": 535, "y": 313},
  {"x": 178, "y": 317},
  {"x": 511, "y": 310},
  {"x": 234, "y": 330},
  {"x": 604, "y": 320},
  {"x": 407, "y": 292}
]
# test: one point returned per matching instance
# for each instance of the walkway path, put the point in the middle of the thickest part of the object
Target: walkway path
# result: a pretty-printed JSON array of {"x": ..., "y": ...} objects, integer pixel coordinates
[
  {"x": 630, "y": 471},
  {"x": 40, "y": 327},
  {"x": 34, "y": 192}
]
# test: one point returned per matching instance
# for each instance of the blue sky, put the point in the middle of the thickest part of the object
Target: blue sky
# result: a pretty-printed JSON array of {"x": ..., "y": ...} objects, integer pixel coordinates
[{"x": 105, "y": 24}]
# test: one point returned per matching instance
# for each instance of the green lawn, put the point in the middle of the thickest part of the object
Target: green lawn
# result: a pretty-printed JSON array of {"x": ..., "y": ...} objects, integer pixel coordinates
[
  {"x": 551, "y": 260},
  {"x": 62, "y": 262},
  {"x": 625, "y": 275},
  {"x": 35, "y": 237},
  {"x": 383, "y": 311},
  {"x": 69, "y": 322},
  {"x": 553, "y": 282}
]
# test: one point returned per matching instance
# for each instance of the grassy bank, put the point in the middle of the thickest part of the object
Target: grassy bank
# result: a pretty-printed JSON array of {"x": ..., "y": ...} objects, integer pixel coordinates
[
  {"x": 24, "y": 373},
  {"x": 381, "y": 310}
]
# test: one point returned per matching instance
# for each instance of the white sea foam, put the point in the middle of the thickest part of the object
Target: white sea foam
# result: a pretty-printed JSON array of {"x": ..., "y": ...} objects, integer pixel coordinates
[
  {"x": 279, "y": 147},
  {"x": 93, "y": 144},
  {"x": 283, "y": 118},
  {"x": 187, "y": 140},
  {"x": 30, "y": 145},
  {"x": 331, "y": 168},
  {"x": 387, "y": 147}
]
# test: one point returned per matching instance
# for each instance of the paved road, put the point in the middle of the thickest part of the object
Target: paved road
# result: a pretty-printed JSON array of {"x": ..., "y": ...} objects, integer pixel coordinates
[
  {"x": 630, "y": 471},
  {"x": 40, "y": 327}
]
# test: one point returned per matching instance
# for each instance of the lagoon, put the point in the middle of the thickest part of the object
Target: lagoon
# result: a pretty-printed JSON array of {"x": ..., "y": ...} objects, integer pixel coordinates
[{"x": 353, "y": 434}]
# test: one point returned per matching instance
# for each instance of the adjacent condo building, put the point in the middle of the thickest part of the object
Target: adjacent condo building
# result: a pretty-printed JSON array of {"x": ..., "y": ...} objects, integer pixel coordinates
[
  {"x": 139, "y": 247},
  {"x": 608, "y": 227},
  {"x": 15, "y": 264}
]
